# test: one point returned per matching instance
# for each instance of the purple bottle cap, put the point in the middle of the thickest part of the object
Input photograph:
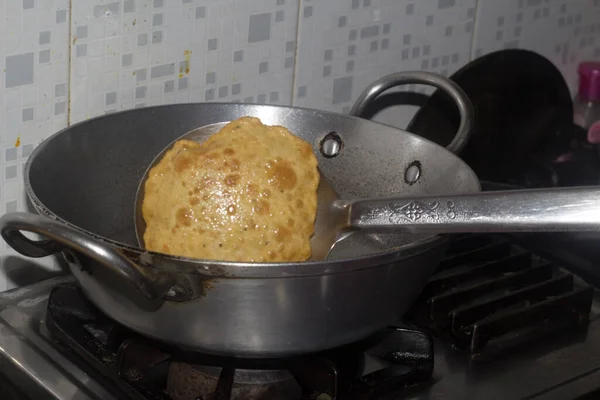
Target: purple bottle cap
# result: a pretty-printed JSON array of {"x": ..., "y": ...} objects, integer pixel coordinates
[{"x": 589, "y": 80}]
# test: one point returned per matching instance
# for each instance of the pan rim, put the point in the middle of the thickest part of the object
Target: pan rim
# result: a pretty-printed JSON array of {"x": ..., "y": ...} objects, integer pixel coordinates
[{"x": 216, "y": 268}]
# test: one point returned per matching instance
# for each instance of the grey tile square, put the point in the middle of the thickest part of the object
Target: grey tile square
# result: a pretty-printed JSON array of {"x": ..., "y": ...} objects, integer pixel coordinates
[
  {"x": 27, "y": 150},
  {"x": 140, "y": 105},
  {"x": 426, "y": 50},
  {"x": 279, "y": 16},
  {"x": 446, "y": 3},
  {"x": 236, "y": 89},
  {"x": 187, "y": 1},
  {"x": 429, "y": 20},
  {"x": 470, "y": 12},
  {"x": 60, "y": 108},
  {"x": 374, "y": 46},
  {"x": 518, "y": 31},
  {"x": 469, "y": 27},
  {"x": 387, "y": 28},
  {"x": 200, "y": 12},
  {"x": 342, "y": 21},
  {"x": 259, "y": 28},
  {"x": 28, "y": 4},
  {"x": 11, "y": 154},
  {"x": 366, "y": 3},
  {"x": 249, "y": 99},
  {"x": 385, "y": 44},
  {"x": 159, "y": 71},
  {"x": 308, "y": 12},
  {"x": 10, "y": 172},
  {"x": 355, "y": 4},
  {"x": 261, "y": 98},
  {"x": 182, "y": 83},
  {"x": 263, "y": 67},
  {"x": 435, "y": 62},
  {"x": 369, "y": 31},
  {"x": 342, "y": 89},
  {"x": 106, "y": 10},
  {"x": 44, "y": 56},
  {"x": 60, "y": 90},
  {"x": 406, "y": 39},
  {"x": 157, "y": 19},
  {"x": 128, "y": 6},
  {"x": 290, "y": 46},
  {"x": 351, "y": 50},
  {"x": 410, "y": 9},
  {"x": 280, "y": 2},
  {"x": 142, "y": 39},
  {"x": 169, "y": 86},
  {"x": 11, "y": 206},
  {"x": 445, "y": 60},
  {"x": 111, "y": 98},
  {"x": 404, "y": 55},
  {"x": 213, "y": 44},
  {"x": 328, "y": 55},
  {"x": 127, "y": 60},
  {"x": 416, "y": 52},
  {"x": 61, "y": 16},
  {"x": 238, "y": 55},
  {"x": 45, "y": 37},
  {"x": 425, "y": 64},
  {"x": 519, "y": 17},
  {"x": 223, "y": 91},
  {"x": 157, "y": 37},
  {"x": 274, "y": 97},
  {"x": 455, "y": 58},
  {"x": 302, "y": 90},
  {"x": 209, "y": 94},
  {"x": 140, "y": 92},
  {"x": 352, "y": 34},
  {"x": 326, "y": 71},
  {"x": 211, "y": 77},
  {"x": 288, "y": 62},
  {"x": 449, "y": 30},
  {"x": 81, "y": 32},
  {"x": 81, "y": 50},
  {"x": 350, "y": 66},
  {"x": 159, "y": 3},
  {"x": 27, "y": 114},
  {"x": 141, "y": 74},
  {"x": 500, "y": 21},
  {"x": 499, "y": 35}
]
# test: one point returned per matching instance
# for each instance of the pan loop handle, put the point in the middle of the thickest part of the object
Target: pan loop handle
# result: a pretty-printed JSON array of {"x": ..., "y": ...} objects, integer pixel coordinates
[
  {"x": 459, "y": 97},
  {"x": 59, "y": 236}
]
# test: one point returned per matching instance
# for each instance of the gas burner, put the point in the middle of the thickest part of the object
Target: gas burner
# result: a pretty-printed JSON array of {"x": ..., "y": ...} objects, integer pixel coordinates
[
  {"x": 187, "y": 381},
  {"x": 388, "y": 362},
  {"x": 490, "y": 295}
]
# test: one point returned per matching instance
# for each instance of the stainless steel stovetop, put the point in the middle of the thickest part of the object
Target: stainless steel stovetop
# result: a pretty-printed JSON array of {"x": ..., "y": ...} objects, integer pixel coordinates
[{"x": 559, "y": 367}]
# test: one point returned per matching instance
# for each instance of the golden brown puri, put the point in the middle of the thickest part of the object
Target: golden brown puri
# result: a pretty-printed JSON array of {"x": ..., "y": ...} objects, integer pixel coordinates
[{"x": 249, "y": 193}]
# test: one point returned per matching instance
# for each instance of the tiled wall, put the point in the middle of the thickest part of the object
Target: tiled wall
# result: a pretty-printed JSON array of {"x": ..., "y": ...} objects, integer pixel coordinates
[{"x": 65, "y": 61}]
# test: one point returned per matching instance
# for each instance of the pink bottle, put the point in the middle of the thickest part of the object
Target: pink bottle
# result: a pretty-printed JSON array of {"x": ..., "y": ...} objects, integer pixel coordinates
[{"x": 587, "y": 101}]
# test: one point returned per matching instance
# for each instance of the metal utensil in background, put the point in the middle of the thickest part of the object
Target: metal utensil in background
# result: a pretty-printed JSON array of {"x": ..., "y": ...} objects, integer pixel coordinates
[{"x": 524, "y": 122}]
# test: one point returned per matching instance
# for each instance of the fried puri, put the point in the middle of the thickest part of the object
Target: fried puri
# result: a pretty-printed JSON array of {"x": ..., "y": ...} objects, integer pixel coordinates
[{"x": 248, "y": 193}]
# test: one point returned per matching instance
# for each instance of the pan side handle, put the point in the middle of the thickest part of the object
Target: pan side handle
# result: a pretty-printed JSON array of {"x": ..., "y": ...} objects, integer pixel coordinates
[
  {"x": 459, "y": 97},
  {"x": 58, "y": 237}
]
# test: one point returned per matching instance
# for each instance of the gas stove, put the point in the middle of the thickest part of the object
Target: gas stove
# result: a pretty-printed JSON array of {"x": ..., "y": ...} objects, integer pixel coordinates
[{"x": 496, "y": 321}]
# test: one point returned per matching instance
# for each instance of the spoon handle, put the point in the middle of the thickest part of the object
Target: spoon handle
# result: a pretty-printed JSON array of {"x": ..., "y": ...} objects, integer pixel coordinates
[{"x": 572, "y": 209}]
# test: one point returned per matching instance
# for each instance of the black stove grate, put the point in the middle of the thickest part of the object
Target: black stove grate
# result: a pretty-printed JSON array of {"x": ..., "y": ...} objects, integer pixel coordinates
[
  {"x": 138, "y": 367},
  {"x": 490, "y": 295}
]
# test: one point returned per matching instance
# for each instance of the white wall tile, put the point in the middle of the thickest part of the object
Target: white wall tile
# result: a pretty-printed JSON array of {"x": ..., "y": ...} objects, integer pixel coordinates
[
  {"x": 565, "y": 31},
  {"x": 34, "y": 51},
  {"x": 355, "y": 42},
  {"x": 142, "y": 52}
]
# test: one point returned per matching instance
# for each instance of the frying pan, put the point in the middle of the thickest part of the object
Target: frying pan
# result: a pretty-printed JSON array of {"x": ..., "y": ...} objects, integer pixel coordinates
[{"x": 83, "y": 181}]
